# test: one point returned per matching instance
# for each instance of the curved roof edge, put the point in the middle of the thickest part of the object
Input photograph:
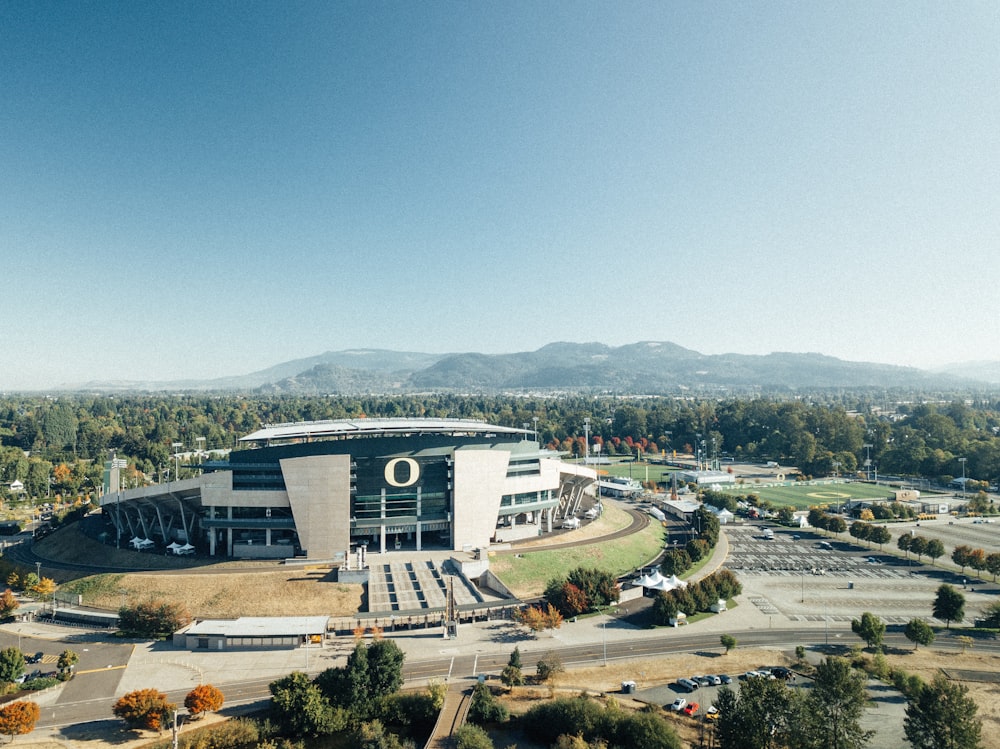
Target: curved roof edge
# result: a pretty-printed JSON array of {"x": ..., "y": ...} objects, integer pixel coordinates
[{"x": 376, "y": 427}]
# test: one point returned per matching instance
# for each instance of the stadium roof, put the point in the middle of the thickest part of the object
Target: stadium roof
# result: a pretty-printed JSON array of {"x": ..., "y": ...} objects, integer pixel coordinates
[{"x": 342, "y": 428}]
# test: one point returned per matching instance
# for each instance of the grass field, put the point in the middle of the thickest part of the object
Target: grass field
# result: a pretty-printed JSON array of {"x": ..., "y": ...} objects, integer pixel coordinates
[
  {"x": 527, "y": 573},
  {"x": 804, "y": 496}
]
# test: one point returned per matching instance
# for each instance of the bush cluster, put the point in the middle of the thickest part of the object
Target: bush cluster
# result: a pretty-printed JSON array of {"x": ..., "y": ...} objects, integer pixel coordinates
[
  {"x": 594, "y": 721},
  {"x": 697, "y": 596}
]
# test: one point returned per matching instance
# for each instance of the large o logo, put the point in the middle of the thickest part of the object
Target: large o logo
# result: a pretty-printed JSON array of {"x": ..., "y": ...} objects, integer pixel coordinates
[{"x": 412, "y": 475}]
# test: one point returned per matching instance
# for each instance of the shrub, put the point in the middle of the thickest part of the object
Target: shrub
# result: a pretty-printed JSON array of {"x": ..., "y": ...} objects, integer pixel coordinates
[{"x": 484, "y": 707}]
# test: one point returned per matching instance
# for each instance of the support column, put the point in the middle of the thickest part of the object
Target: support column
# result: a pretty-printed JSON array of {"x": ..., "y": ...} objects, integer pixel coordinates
[
  {"x": 419, "y": 527},
  {"x": 211, "y": 533},
  {"x": 381, "y": 530}
]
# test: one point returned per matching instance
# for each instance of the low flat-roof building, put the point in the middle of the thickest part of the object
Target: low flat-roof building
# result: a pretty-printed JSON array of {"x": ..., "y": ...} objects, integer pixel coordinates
[{"x": 252, "y": 632}]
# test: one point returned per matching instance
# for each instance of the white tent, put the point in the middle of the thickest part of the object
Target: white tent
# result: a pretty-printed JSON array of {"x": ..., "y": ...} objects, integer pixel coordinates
[
  {"x": 676, "y": 582},
  {"x": 651, "y": 580},
  {"x": 664, "y": 584},
  {"x": 174, "y": 546},
  {"x": 185, "y": 549}
]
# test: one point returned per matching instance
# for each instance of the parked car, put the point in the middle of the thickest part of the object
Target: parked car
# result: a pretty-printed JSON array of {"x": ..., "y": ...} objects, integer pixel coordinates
[
  {"x": 702, "y": 681},
  {"x": 780, "y": 672},
  {"x": 714, "y": 680},
  {"x": 726, "y": 679},
  {"x": 678, "y": 704},
  {"x": 691, "y": 708},
  {"x": 687, "y": 685},
  {"x": 712, "y": 713}
]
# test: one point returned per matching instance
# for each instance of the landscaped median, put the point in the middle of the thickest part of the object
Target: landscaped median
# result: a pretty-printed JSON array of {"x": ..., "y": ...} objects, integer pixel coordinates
[{"x": 527, "y": 572}]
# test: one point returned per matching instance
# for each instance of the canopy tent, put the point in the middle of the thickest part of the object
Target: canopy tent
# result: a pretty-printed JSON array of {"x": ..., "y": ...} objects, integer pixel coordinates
[
  {"x": 676, "y": 582},
  {"x": 651, "y": 580},
  {"x": 185, "y": 549}
]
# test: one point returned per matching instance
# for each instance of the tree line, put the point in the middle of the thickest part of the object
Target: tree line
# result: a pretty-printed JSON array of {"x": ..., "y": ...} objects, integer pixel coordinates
[{"x": 59, "y": 444}]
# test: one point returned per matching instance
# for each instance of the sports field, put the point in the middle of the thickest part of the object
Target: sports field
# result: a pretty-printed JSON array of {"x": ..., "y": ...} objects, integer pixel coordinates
[{"x": 804, "y": 496}]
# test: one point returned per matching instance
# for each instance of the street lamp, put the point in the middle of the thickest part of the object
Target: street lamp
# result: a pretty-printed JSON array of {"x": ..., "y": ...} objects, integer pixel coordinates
[
  {"x": 962, "y": 461},
  {"x": 177, "y": 458},
  {"x": 868, "y": 460}
]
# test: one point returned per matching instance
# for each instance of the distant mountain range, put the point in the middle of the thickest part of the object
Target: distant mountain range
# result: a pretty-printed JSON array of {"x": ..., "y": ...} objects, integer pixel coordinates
[{"x": 648, "y": 368}]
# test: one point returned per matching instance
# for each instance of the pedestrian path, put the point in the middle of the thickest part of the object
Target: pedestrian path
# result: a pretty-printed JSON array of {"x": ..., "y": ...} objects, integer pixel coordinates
[{"x": 452, "y": 716}]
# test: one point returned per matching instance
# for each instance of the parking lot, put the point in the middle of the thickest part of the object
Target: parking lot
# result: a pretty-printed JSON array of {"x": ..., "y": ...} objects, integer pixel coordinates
[{"x": 816, "y": 577}]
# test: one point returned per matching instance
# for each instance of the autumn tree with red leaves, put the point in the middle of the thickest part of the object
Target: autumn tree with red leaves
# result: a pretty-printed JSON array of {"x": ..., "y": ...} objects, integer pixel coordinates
[
  {"x": 144, "y": 708},
  {"x": 17, "y": 718},
  {"x": 204, "y": 698}
]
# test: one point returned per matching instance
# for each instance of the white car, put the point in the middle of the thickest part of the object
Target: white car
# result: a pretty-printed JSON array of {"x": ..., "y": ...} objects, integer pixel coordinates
[{"x": 678, "y": 704}]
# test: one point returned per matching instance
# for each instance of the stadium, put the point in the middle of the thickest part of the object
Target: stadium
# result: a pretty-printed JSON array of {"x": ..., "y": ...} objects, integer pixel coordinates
[{"x": 317, "y": 490}]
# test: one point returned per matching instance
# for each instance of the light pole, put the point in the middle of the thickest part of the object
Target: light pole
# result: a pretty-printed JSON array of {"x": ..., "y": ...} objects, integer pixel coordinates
[
  {"x": 868, "y": 460},
  {"x": 604, "y": 636},
  {"x": 177, "y": 459},
  {"x": 38, "y": 571},
  {"x": 962, "y": 461}
]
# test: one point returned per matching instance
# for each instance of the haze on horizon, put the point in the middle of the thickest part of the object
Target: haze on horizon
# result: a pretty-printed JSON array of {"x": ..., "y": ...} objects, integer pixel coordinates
[{"x": 197, "y": 191}]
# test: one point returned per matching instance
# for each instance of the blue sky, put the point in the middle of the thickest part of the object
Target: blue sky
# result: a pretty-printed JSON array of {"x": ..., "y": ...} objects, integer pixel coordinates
[{"x": 206, "y": 189}]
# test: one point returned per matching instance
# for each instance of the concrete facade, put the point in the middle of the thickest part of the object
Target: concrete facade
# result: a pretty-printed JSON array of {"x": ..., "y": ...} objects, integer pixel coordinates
[{"x": 320, "y": 490}]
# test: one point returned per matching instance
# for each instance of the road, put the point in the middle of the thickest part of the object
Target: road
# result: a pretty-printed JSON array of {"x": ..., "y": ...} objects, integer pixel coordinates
[{"x": 79, "y": 705}]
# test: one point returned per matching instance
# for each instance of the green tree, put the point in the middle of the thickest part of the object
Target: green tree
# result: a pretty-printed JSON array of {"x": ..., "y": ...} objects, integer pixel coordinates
[
  {"x": 471, "y": 736},
  {"x": 836, "y": 525},
  {"x": 934, "y": 550},
  {"x": 675, "y": 562},
  {"x": 11, "y": 664},
  {"x": 919, "y": 632},
  {"x": 949, "y": 604},
  {"x": 960, "y": 555},
  {"x": 903, "y": 543},
  {"x": 869, "y": 628},
  {"x": 942, "y": 716},
  {"x": 833, "y": 708},
  {"x": 299, "y": 708},
  {"x": 728, "y": 642},
  {"x": 152, "y": 619},
  {"x": 385, "y": 668},
  {"x": 880, "y": 535},
  {"x": 484, "y": 707},
  {"x": 515, "y": 657},
  {"x": 993, "y": 564},
  {"x": 918, "y": 545},
  {"x": 758, "y": 717},
  {"x": 67, "y": 660},
  {"x": 511, "y": 676},
  {"x": 372, "y": 734}
]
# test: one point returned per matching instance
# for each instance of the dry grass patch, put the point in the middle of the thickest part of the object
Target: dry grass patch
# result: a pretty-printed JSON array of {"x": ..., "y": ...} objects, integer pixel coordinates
[
  {"x": 927, "y": 663},
  {"x": 227, "y": 595}
]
